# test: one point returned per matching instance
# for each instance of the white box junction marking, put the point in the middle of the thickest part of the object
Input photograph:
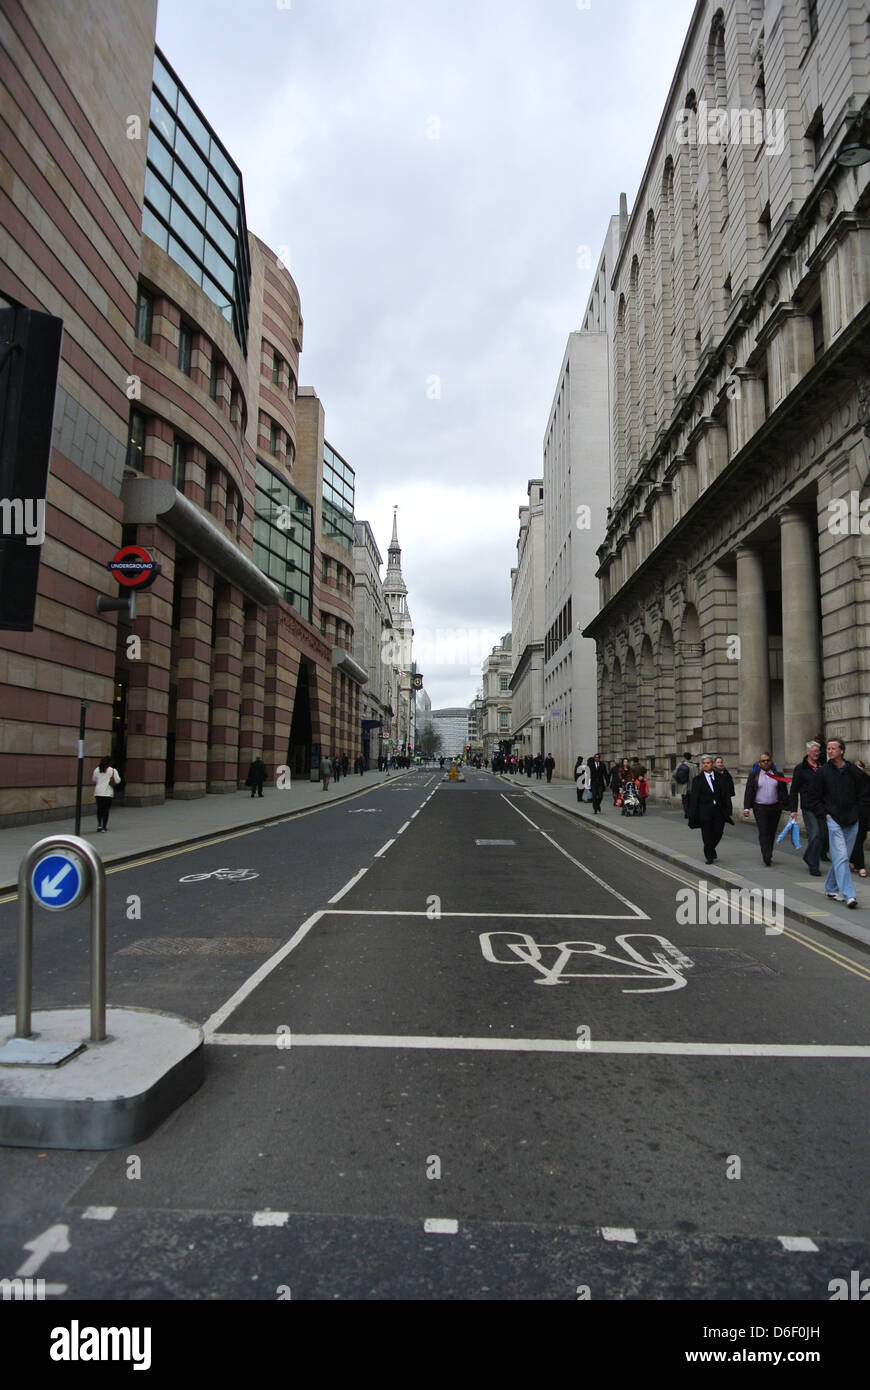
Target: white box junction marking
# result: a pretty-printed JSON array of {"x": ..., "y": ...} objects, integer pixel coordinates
[
  {"x": 797, "y": 1243},
  {"x": 626, "y": 1234}
]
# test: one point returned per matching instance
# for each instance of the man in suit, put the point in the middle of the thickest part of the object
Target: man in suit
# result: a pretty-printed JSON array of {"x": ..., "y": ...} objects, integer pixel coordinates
[{"x": 709, "y": 807}]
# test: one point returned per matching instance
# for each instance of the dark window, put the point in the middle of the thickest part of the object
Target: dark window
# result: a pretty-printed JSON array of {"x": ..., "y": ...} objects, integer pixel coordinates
[
  {"x": 215, "y": 374},
  {"x": 276, "y": 368},
  {"x": 818, "y": 332},
  {"x": 179, "y": 448},
  {"x": 185, "y": 347},
  {"x": 136, "y": 441},
  {"x": 210, "y": 477},
  {"x": 144, "y": 315},
  {"x": 274, "y": 435}
]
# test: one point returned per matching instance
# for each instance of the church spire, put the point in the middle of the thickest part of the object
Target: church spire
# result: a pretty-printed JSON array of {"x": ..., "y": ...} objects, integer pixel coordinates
[{"x": 394, "y": 584}]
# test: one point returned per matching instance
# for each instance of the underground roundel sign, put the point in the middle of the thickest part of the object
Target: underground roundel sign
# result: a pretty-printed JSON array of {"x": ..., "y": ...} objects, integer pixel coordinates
[{"x": 134, "y": 567}]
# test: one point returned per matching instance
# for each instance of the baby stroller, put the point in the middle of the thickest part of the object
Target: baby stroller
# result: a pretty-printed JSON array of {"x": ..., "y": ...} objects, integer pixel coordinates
[{"x": 631, "y": 804}]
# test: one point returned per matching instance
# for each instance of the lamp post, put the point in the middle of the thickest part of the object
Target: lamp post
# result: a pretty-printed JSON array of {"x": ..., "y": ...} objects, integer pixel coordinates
[{"x": 81, "y": 753}]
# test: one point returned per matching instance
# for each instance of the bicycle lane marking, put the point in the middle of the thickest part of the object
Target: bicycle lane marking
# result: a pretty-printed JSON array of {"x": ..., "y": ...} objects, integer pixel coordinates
[{"x": 639, "y": 913}]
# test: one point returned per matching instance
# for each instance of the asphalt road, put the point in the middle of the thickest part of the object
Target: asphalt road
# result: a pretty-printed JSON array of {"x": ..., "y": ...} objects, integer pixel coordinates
[{"x": 451, "y": 1004}]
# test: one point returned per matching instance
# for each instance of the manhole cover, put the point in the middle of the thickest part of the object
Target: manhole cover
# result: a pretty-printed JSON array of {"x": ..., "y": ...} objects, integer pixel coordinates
[
  {"x": 722, "y": 960},
  {"x": 203, "y": 946}
]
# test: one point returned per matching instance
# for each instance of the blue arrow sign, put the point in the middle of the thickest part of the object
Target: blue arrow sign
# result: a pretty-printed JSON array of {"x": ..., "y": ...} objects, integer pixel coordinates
[{"x": 57, "y": 880}]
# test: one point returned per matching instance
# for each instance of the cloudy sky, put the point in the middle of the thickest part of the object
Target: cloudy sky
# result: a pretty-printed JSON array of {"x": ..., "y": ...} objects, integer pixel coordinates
[{"x": 431, "y": 170}]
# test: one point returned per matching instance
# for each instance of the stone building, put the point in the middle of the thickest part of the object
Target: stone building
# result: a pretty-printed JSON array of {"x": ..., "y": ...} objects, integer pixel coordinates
[
  {"x": 399, "y": 651},
  {"x": 175, "y": 428},
  {"x": 372, "y": 631},
  {"x": 496, "y": 683},
  {"x": 735, "y": 568},
  {"x": 527, "y": 626},
  {"x": 576, "y": 491}
]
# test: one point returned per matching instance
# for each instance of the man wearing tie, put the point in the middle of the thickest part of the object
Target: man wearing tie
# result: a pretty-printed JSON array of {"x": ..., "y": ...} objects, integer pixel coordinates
[{"x": 709, "y": 807}]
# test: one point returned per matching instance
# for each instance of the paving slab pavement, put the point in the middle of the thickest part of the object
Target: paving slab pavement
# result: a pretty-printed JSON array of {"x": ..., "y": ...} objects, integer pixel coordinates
[{"x": 663, "y": 831}]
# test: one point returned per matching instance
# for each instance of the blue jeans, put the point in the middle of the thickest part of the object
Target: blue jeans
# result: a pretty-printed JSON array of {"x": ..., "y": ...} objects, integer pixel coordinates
[{"x": 842, "y": 840}]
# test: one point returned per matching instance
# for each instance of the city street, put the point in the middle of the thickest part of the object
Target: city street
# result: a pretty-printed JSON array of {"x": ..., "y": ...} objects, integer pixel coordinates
[{"x": 458, "y": 1046}]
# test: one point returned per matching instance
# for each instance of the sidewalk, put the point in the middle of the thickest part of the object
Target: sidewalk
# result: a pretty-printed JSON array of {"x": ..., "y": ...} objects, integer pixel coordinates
[
  {"x": 137, "y": 830},
  {"x": 664, "y": 833}
]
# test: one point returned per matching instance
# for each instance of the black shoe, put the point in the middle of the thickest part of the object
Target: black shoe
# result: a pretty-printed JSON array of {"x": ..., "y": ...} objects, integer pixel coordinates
[
  {"x": 768, "y": 862},
  {"x": 815, "y": 873},
  {"x": 708, "y": 860}
]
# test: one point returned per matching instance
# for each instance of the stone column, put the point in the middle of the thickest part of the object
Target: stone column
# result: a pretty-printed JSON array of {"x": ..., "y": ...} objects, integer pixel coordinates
[
  {"x": 801, "y": 629},
  {"x": 754, "y": 670},
  {"x": 194, "y": 680},
  {"x": 223, "y": 755},
  {"x": 253, "y": 677}
]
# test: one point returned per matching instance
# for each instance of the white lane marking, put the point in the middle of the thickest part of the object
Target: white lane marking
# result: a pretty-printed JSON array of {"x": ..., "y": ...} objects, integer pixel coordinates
[
  {"x": 576, "y": 862},
  {"x": 384, "y": 848},
  {"x": 222, "y": 1014},
  {"x": 98, "y": 1213},
  {"x": 495, "y": 842},
  {"x": 415, "y": 814},
  {"x": 347, "y": 887},
  {"x": 626, "y": 1234},
  {"x": 603, "y": 1047},
  {"x": 499, "y": 916},
  {"x": 441, "y": 1226},
  {"x": 54, "y": 1240},
  {"x": 797, "y": 1243},
  {"x": 404, "y": 828},
  {"x": 271, "y": 1218}
]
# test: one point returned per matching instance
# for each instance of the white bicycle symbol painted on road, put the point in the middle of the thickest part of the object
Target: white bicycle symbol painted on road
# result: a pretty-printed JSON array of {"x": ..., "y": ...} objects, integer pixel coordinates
[
  {"x": 664, "y": 965},
  {"x": 222, "y": 875}
]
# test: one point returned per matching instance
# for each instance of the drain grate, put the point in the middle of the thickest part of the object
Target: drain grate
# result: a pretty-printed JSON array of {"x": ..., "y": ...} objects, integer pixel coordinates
[
  {"x": 723, "y": 960},
  {"x": 203, "y": 946}
]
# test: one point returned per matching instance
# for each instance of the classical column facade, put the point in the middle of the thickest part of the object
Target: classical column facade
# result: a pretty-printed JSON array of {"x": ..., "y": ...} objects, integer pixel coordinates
[
  {"x": 194, "y": 679},
  {"x": 754, "y": 668},
  {"x": 801, "y": 626},
  {"x": 223, "y": 755}
]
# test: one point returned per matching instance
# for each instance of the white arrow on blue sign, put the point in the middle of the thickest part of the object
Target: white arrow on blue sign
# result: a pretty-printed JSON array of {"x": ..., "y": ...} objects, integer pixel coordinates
[{"x": 58, "y": 880}]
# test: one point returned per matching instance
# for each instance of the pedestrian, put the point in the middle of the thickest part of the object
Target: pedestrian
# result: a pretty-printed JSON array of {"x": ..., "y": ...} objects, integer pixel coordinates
[
  {"x": 840, "y": 795},
  {"x": 684, "y": 778},
  {"x": 325, "y": 771},
  {"x": 765, "y": 796},
  {"x": 709, "y": 807},
  {"x": 581, "y": 778},
  {"x": 857, "y": 862},
  {"x": 256, "y": 777},
  {"x": 642, "y": 790},
  {"x": 336, "y": 769},
  {"x": 719, "y": 766},
  {"x": 598, "y": 776},
  {"x": 345, "y": 764},
  {"x": 550, "y": 766},
  {"x": 106, "y": 778},
  {"x": 803, "y": 778},
  {"x": 539, "y": 766}
]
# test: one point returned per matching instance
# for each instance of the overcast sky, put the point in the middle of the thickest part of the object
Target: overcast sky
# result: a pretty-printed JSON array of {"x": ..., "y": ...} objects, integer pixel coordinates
[{"x": 431, "y": 170}]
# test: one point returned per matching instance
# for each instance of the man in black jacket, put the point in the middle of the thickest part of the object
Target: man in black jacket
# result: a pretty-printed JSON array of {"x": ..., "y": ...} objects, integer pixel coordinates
[
  {"x": 840, "y": 795},
  {"x": 709, "y": 807},
  {"x": 598, "y": 776},
  {"x": 804, "y": 777}
]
